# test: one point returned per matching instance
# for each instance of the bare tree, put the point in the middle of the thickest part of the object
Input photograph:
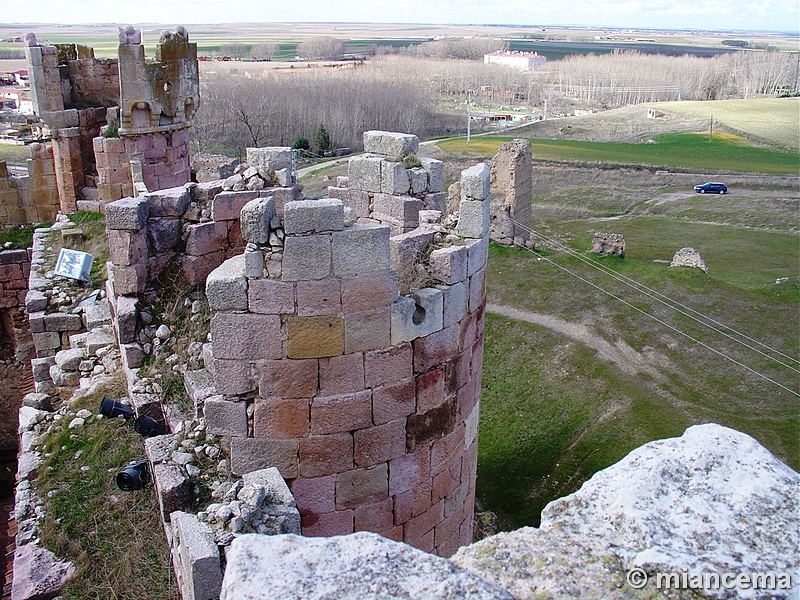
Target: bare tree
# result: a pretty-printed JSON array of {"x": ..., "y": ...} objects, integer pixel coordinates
[
  {"x": 321, "y": 48},
  {"x": 237, "y": 51},
  {"x": 266, "y": 51}
]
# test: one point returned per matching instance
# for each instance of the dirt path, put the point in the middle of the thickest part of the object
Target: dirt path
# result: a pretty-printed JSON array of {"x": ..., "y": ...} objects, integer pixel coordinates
[{"x": 621, "y": 354}]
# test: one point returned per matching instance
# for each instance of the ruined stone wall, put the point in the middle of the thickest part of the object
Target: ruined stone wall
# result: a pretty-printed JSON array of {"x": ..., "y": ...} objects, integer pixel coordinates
[
  {"x": 512, "y": 186},
  {"x": 190, "y": 229},
  {"x": 365, "y": 399},
  {"x": 15, "y": 266},
  {"x": 32, "y": 198}
]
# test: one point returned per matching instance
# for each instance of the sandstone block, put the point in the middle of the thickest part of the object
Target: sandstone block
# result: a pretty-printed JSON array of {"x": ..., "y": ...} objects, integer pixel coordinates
[
  {"x": 408, "y": 247},
  {"x": 272, "y": 158},
  {"x": 342, "y": 412},
  {"x": 35, "y": 301},
  {"x": 313, "y": 216},
  {"x": 319, "y": 297},
  {"x": 127, "y": 213},
  {"x": 127, "y": 247},
  {"x": 367, "y": 330},
  {"x": 339, "y": 522},
  {"x": 127, "y": 311},
  {"x": 473, "y": 219},
  {"x": 255, "y": 219},
  {"x": 281, "y": 418},
  {"x": 129, "y": 280},
  {"x": 362, "y": 486},
  {"x": 233, "y": 377},
  {"x": 204, "y": 238},
  {"x": 436, "y": 348},
  {"x": 388, "y": 365},
  {"x": 174, "y": 489},
  {"x": 455, "y": 302},
  {"x": 477, "y": 253},
  {"x": 168, "y": 202},
  {"x": 322, "y": 455},
  {"x": 410, "y": 471},
  {"x": 379, "y": 444},
  {"x": 271, "y": 297},
  {"x": 435, "y": 171},
  {"x": 253, "y": 454},
  {"x": 315, "y": 337},
  {"x": 341, "y": 374},
  {"x": 393, "y": 401},
  {"x": 132, "y": 355},
  {"x": 36, "y": 321},
  {"x": 224, "y": 417},
  {"x": 226, "y": 286},
  {"x": 377, "y": 517},
  {"x": 369, "y": 290},
  {"x": 389, "y": 143},
  {"x": 314, "y": 494},
  {"x": 49, "y": 340},
  {"x": 288, "y": 378},
  {"x": 423, "y": 428},
  {"x": 306, "y": 257},
  {"x": 431, "y": 389},
  {"x": 412, "y": 502},
  {"x": 227, "y": 206},
  {"x": 417, "y": 526},
  {"x": 360, "y": 249},
  {"x": 246, "y": 336},
  {"x": 477, "y": 290},
  {"x": 449, "y": 265},
  {"x": 62, "y": 322}
]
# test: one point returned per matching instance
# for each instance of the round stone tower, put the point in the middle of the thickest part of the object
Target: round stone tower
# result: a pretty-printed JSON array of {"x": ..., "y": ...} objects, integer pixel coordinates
[{"x": 347, "y": 348}]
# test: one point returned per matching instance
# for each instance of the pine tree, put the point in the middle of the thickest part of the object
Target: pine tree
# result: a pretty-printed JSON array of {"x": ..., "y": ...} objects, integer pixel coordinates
[{"x": 323, "y": 140}]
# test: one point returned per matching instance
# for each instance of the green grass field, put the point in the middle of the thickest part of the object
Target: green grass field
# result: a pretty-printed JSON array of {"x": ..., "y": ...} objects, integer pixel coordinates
[{"x": 724, "y": 152}]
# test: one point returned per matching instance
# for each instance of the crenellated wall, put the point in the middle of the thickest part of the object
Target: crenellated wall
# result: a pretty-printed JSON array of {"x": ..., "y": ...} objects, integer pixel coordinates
[{"x": 364, "y": 395}]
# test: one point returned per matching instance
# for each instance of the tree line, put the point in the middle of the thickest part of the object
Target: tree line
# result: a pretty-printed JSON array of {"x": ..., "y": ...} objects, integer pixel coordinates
[{"x": 424, "y": 94}]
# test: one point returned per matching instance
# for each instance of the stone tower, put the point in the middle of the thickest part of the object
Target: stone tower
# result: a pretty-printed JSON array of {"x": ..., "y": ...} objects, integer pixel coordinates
[{"x": 350, "y": 358}]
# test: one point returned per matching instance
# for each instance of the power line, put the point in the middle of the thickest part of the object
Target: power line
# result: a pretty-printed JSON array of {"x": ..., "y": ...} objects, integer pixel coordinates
[
  {"x": 657, "y": 296},
  {"x": 665, "y": 324}
]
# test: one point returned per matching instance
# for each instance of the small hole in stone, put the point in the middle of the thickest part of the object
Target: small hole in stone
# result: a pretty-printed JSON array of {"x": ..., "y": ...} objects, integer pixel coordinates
[
  {"x": 419, "y": 315},
  {"x": 167, "y": 86}
]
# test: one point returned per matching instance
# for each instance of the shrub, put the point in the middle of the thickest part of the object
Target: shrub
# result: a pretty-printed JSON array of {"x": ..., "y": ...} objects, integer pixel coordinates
[{"x": 301, "y": 144}]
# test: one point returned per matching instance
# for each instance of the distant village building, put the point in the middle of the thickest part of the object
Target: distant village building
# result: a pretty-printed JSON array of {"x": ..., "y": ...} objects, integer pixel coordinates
[{"x": 525, "y": 61}]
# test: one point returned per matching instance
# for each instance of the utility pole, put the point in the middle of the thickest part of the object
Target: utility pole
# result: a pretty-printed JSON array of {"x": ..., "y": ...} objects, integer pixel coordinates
[{"x": 469, "y": 113}]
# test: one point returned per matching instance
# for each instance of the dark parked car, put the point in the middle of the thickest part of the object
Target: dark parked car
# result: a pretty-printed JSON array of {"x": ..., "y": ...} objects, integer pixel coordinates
[{"x": 712, "y": 187}]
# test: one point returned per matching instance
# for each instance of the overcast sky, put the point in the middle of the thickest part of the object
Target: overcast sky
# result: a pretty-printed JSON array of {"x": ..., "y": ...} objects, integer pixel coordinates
[{"x": 775, "y": 15}]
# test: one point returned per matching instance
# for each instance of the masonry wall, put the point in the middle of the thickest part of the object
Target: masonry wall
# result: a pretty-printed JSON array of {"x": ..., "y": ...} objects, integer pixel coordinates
[
  {"x": 33, "y": 198},
  {"x": 512, "y": 186},
  {"x": 366, "y": 400}
]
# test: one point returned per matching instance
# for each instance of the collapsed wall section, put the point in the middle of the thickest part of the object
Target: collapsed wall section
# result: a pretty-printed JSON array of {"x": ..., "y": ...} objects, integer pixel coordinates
[
  {"x": 32, "y": 198},
  {"x": 512, "y": 187},
  {"x": 363, "y": 395}
]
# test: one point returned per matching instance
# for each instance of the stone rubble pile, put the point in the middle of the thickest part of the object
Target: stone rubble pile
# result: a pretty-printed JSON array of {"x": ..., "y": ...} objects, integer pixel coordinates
[{"x": 689, "y": 257}]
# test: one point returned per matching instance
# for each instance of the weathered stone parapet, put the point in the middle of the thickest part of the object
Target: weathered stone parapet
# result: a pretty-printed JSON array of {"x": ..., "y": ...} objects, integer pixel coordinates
[{"x": 366, "y": 400}]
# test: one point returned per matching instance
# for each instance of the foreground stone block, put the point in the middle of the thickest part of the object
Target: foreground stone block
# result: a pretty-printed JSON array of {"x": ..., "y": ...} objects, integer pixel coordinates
[
  {"x": 306, "y": 257},
  {"x": 360, "y": 249},
  {"x": 315, "y": 337},
  {"x": 650, "y": 511},
  {"x": 388, "y": 143},
  {"x": 417, "y": 316},
  {"x": 313, "y": 216},
  {"x": 226, "y": 286},
  {"x": 224, "y": 417},
  {"x": 174, "y": 489},
  {"x": 196, "y": 557},
  {"x": 255, "y": 219},
  {"x": 38, "y": 573},
  {"x": 252, "y": 454},
  {"x": 364, "y": 173},
  {"x": 128, "y": 213},
  {"x": 352, "y": 566}
]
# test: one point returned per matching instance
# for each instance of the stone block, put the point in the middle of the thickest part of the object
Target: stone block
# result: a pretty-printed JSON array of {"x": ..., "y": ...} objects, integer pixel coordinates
[
  {"x": 471, "y": 426},
  {"x": 358, "y": 200},
  {"x": 97, "y": 314},
  {"x": 393, "y": 401},
  {"x": 314, "y": 495},
  {"x": 63, "y": 322},
  {"x": 424, "y": 428},
  {"x": 364, "y": 173},
  {"x": 246, "y": 336},
  {"x": 387, "y": 143},
  {"x": 164, "y": 234},
  {"x": 455, "y": 302},
  {"x": 388, "y": 365},
  {"x": 477, "y": 290},
  {"x": 436, "y": 348},
  {"x": 367, "y": 330},
  {"x": 410, "y": 471},
  {"x": 199, "y": 385},
  {"x": 255, "y": 218},
  {"x": 271, "y": 297},
  {"x": 418, "y": 315},
  {"x": 204, "y": 238},
  {"x": 319, "y": 297},
  {"x": 360, "y": 249},
  {"x": 339, "y": 522},
  {"x": 36, "y": 321},
  {"x": 49, "y": 340},
  {"x": 306, "y": 257},
  {"x": 431, "y": 388},
  {"x": 362, "y": 486},
  {"x": 168, "y": 202},
  {"x": 227, "y": 206},
  {"x": 407, "y": 248},
  {"x": 127, "y": 311},
  {"x": 197, "y": 557},
  {"x": 226, "y": 286},
  {"x": 225, "y": 417},
  {"x": 377, "y": 517},
  {"x": 379, "y": 444},
  {"x": 402, "y": 210},
  {"x": 369, "y": 291},
  {"x": 281, "y": 418},
  {"x": 69, "y": 360},
  {"x": 473, "y": 219},
  {"x": 449, "y": 265},
  {"x": 63, "y": 378},
  {"x": 315, "y": 337},
  {"x": 281, "y": 196},
  {"x": 99, "y": 338},
  {"x": 475, "y": 183},
  {"x": 340, "y": 413},
  {"x": 272, "y": 158},
  {"x": 35, "y": 301},
  {"x": 253, "y": 454},
  {"x": 127, "y": 213},
  {"x": 394, "y": 178},
  {"x": 129, "y": 280},
  {"x": 477, "y": 254},
  {"x": 313, "y": 216},
  {"x": 288, "y": 378},
  {"x": 322, "y": 455},
  {"x": 174, "y": 489},
  {"x": 196, "y": 269},
  {"x": 435, "y": 170},
  {"x": 41, "y": 368},
  {"x": 341, "y": 374},
  {"x": 419, "y": 181},
  {"x": 233, "y": 377},
  {"x": 253, "y": 264},
  {"x": 435, "y": 201}
]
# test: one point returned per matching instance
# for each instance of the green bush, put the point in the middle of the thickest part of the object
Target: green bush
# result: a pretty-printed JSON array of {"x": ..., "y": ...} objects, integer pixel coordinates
[{"x": 301, "y": 144}]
